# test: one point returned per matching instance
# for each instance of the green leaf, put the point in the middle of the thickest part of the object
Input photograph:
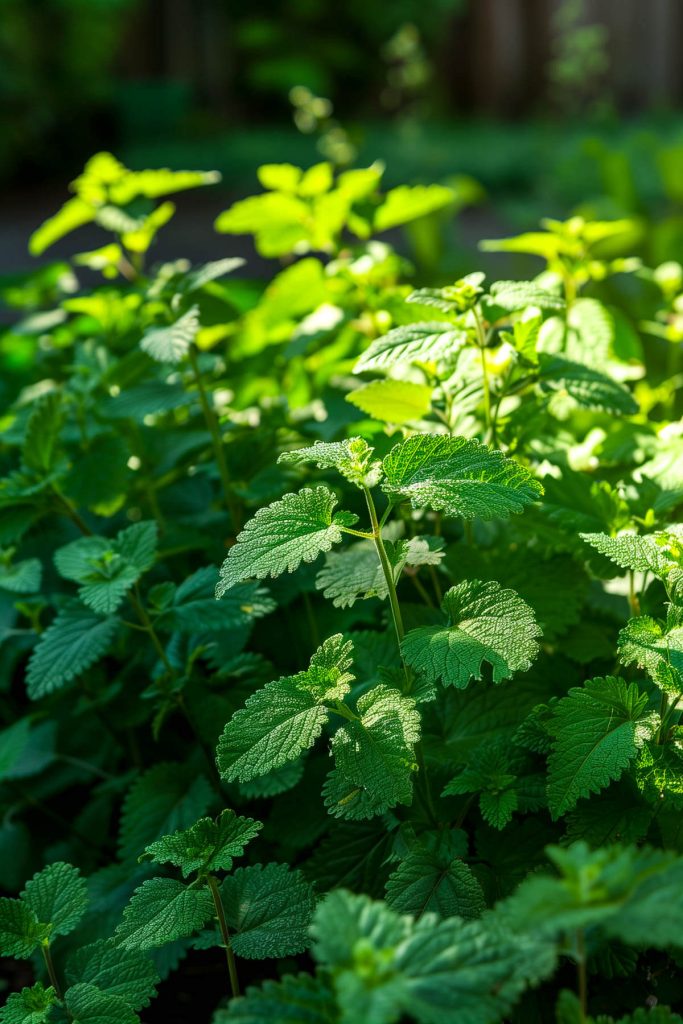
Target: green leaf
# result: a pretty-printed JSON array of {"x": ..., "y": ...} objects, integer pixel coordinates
[
  {"x": 281, "y": 536},
  {"x": 128, "y": 974},
  {"x": 71, "y": 644},
  {"x": 406, "y": 203},
  {"x": 374, "y": 756},
  {"x": 351, "y": 458},
  {"x": 458, "y": 476},
  {"x": 587, "y": 386},
  {"x": 296, "y": 999},
  {"x": 393, "y": 401},
  {"x": 58, "y": 896},
  {"x": 208, "y": 272},
  {"x": 638, "y": 552},
  {"x": 73, "y": 214},
  {"x": 86, "y": 1004},
  {"x": 30, "y": 1006},
  {"x": 40, "y": 448},
  {"x": 598, "y": 730},
  {"x": 645, "y": 642},
  {"x": 171, "y": 344},
  {"x": 162, "y": 910},
  {"x": 20, "y": 930},
  {"x": 485, "y": 623},
  {"x": 195, "y": 609},
  {"x": 512, "y": 296},
  {"x": 356, "y": 574},
  {"x": 276, "y": 724},
  {"x": 207, "y": 845},
  {"x": 107, "y": 569},
  {"x": 165, "y": 798},
  {"x": 386, "y": 968},
  {"x": 22, "y": 577},
  {"x": 433, "y": 878},
  {"x": 269, "y": 911},
  {"x": 422, "y": 342}
]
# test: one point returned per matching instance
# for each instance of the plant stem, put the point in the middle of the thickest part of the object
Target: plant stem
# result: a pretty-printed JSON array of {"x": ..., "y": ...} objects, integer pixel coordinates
[
  {"x": 481, "y": 340},
  {"x": 223, "y": 925},
  {"x": 388, "y": 572},
  {"x": 634, "y": 603},
  {"x": 52, "y": 974},
  {"x": 217, "y": 442}
]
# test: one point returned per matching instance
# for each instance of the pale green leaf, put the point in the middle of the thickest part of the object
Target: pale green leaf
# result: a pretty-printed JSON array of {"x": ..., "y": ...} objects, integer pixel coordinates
[
  {"x": 458, "y": 476},
  {"x": 352, "y": 458},
  {"x": 422, "y": 342},
  {"x": 172, "y": 343},
  {"x": 485, "y": 623},
  {"x": 648, "y": 644},
  {"x": 281, "y": 536},
  {"x": 393, "y": 401},
  {"x": 406, "y": 203}
]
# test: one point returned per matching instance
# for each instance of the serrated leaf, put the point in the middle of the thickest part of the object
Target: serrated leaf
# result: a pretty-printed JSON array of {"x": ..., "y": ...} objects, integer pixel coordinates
[
  {"x": 276, "y": 724},
  {"x": 128, "y": 974},
  {"x": 207, "y": 845},
  {"x": 195, "y": 609},
  {"x": 162, "y": 910},
  {"x": 58, "y": 896},
  {"x": 646, "y": 643},
  {"x": 40, "y": 448},
  {"x": 639, "y": 552},
  {"x": 431, "y": 879},
  {"x": 587, "y": 386},
  {"x": 458, "y": 476},
  {"x": 374, "y": 756},
  {"x": 356, "y": 573},
  {"x": 393, "y": 401},
  {"x": 86, "y": 1004},
  {"x": 165, "y": 798},
  {"x": 421, "y": 342},
  {"x": 598, "y": 730},
  {"x": 351, "y": 457},
  {"x": 269, "y": 910},
  {"x": 30, "y": 1006},
  {"x": 512, "y": 296},
  {"x": 485, "y": 623},
  {"x": 20, "y": 931},
  {"x": 21, "y": 577},
  {"x": 171, "y": 344},
  {"x": 281, "y": 536},
  {"x": 213, "y": 271},
  {"x": 296, "y": 999},
  {"x": 107, "y": 569}
]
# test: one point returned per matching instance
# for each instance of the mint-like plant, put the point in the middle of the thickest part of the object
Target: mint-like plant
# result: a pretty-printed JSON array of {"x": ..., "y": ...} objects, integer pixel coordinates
[{"x": 342, "y": 618}]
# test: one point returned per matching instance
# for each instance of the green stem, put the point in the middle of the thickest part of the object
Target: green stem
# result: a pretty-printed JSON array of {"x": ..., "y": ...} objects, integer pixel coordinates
[
  {"x": 388, "y": 573},
  {"x": 481, "y": 341},
  {"x": 52, "y": 974},
  {"x": 217, "y": 442},
  {"x": 223, "y": 925},
  {"x": 633, "y": 601}
]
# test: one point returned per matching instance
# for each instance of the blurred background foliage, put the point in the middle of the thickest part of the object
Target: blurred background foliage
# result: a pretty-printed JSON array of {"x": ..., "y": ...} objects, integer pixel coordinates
[{"x": 548, "y": 105}]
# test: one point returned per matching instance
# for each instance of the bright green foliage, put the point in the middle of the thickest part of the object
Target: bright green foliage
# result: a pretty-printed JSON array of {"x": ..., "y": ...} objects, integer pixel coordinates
[
  {"x": 597, "y": 731},
  {"x": 508, "y": 457},
  {"x": 30, "y": 1006},
  {"x": 106, "y": 569},
  {"x": 458, "y": 476},
  {"x": 162, "y": 910},
  {"x": 58, "y": 896},
  {"x": 413, "y": 343},
  {"x": 128, "y": 974},
  {"x": 282, "y": 536},
  {"x": 87, "y": 1004},
  {"x": 485, "y": 623},
  {"x": 171, "y": 344},
  {"x": 207, "y": 845},
  {"x": 269, "y": 911},
  {"x": 374, "y": 756},
  {"x": 652, "y": 646},
  {"x": 351, "y": 458}
]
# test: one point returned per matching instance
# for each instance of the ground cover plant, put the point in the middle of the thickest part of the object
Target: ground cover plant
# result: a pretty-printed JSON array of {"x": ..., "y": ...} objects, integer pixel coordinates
[{"x": 342, "y": 620}]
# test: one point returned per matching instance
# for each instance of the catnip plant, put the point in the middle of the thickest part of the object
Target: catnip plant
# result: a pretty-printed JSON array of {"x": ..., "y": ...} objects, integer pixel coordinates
[{"x": 342, "y": 646}]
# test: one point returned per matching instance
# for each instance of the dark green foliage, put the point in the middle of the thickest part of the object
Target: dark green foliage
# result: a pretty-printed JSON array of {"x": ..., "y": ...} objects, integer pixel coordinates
[{"x": 390, "y": 704}]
